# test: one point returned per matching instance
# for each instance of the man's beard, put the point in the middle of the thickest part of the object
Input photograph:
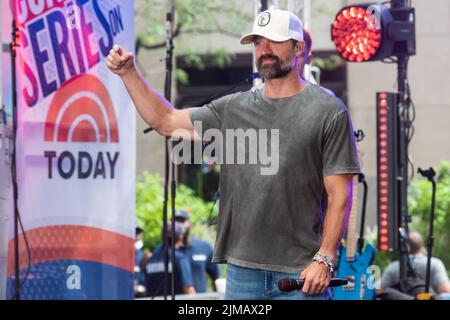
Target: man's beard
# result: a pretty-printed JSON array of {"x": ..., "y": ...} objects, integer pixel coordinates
[{"x": 275, "y": 70}]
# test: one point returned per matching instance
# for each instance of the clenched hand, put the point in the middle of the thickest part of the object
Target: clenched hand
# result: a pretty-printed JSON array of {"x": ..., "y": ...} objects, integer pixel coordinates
[{"x": 120, "y": 61}]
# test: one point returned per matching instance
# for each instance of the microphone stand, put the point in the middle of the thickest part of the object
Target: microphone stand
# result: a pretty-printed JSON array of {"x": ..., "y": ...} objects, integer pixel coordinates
[
  {"x": 430, "y": 174},
  {"x": 167, "y": 94},
  {"x": 13, "y": 48}
]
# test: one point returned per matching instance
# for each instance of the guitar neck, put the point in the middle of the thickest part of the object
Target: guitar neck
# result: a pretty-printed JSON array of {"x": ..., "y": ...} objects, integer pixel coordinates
[{"x": 352, "y": 237}]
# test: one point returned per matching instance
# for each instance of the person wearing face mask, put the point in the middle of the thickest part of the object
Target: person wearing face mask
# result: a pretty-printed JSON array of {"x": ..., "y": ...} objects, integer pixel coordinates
[
  {"x": 200, "y": 255},
  {"x": 154, "y": 267}
]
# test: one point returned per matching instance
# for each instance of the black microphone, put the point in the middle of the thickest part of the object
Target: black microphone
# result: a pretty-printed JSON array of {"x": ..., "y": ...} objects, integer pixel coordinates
[{"x": 288, "y": 284}]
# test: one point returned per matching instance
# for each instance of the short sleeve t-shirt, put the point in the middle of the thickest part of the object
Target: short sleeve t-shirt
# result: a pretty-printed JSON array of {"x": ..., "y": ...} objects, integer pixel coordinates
[
  {"x": 200, "y": 254},
  {"x": 154, "y": 272},
  {"x": 271, "y": 212}
]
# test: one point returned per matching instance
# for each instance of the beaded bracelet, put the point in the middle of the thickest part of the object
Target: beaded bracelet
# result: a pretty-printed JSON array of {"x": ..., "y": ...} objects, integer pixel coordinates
[{"x": 319, "y": 258}]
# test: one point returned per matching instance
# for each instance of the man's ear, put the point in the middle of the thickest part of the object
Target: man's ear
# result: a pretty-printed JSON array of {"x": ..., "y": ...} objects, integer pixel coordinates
[{"x": 300, "y": 47}]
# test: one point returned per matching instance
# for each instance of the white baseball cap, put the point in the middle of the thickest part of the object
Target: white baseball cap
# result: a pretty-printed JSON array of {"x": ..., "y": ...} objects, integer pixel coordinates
[{"x": 277, "y": 25}]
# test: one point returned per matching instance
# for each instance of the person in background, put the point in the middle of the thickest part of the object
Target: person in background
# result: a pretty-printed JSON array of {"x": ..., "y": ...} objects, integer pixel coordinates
[
  {"x": 439, "y": 282},
  {"x": 140, "y": 257},
  {"x": 200, "y": 255},
  {"x": 154, "y": 268}
]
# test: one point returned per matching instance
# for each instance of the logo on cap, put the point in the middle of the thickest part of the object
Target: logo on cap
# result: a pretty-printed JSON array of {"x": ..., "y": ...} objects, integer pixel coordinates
[{"x": 264, "y": 19}]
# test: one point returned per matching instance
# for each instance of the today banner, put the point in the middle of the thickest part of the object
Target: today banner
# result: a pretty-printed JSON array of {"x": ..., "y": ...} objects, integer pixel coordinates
[{"x": 75, "y": 151}]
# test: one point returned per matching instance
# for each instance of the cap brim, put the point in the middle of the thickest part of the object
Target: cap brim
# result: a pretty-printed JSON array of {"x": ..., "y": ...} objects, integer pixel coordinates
[{"x": 248, "y": 38}]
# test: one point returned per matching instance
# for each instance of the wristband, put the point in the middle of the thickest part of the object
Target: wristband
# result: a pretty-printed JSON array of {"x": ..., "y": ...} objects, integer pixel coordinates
[{"x": 327, "y": 261}]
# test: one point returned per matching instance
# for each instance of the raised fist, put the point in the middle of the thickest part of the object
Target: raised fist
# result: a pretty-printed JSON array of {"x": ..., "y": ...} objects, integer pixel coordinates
[{"x": 119, "y": 60}]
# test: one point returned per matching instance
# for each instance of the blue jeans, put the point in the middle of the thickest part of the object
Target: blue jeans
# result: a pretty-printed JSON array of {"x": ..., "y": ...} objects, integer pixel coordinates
[{"x": 255, "y": 284}]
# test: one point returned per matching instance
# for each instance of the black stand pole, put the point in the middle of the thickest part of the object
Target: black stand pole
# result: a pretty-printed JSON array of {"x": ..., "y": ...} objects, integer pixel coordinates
[
  {"x": 430, "y": 174},
  {"x": 14, "y": 45},
  {"x": 168, "y": 94},
  {"x": 402, "y": 177},
  {"x": 264, "y": 5},
  {"x": 402, "y": 165},
  {"x": 362, "y": 179}
]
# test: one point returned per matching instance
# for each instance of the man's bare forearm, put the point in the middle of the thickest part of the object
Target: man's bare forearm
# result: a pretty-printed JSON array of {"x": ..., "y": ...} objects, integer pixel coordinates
[
  {"x": 333, "y": 229},
  {"x": 339, "y": 206},
  {"x": 152, "y": 107}
]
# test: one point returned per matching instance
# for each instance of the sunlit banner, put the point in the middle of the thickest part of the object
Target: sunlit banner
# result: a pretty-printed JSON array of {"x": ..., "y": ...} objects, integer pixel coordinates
[{"x": 75, "y": 151}]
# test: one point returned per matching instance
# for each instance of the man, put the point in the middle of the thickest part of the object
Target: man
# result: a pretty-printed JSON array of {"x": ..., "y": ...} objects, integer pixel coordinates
[
  {"x": 154, "y": 268},
  {"x": 271, "y": 226},
  {"x": 439, "y": 282},
  {"x": 200, "y": 254}
]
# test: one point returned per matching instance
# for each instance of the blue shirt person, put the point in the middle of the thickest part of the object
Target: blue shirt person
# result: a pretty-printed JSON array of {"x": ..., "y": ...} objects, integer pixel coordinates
[
  {"x": 154, "y": 268},
  {"x": 199, "y": 253}
]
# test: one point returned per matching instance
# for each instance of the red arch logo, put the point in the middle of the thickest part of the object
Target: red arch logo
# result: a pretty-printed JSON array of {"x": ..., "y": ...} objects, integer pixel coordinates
[{"x": 82, "y": 111}]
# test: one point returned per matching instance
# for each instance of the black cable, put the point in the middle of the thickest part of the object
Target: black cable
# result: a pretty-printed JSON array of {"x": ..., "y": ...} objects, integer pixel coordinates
[
  {"x": 27, "y": 246},
  {"x": 17, "y": 218},
  {"x": 411, "y": 116},
  {"x": 210, "y": 220}
]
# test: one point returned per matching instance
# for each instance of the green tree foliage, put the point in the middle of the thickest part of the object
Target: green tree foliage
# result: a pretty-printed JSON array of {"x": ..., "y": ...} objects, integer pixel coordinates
[
  {"x": 149, "y": 207},
  {"x": 192, "y": 17}
]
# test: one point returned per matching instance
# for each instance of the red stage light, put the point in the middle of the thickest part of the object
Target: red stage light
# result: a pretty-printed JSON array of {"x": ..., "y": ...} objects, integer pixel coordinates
[
  {"x": 383, "y": 103},
  {"x": 353, "y": 36},
  {"x": 372, "y": 31},
  {"x": 386, "y": 157}
]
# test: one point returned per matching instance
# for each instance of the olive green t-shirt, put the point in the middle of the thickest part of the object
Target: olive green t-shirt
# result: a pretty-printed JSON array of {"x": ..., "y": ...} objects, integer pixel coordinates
[{"x": 274, "y": 221}]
